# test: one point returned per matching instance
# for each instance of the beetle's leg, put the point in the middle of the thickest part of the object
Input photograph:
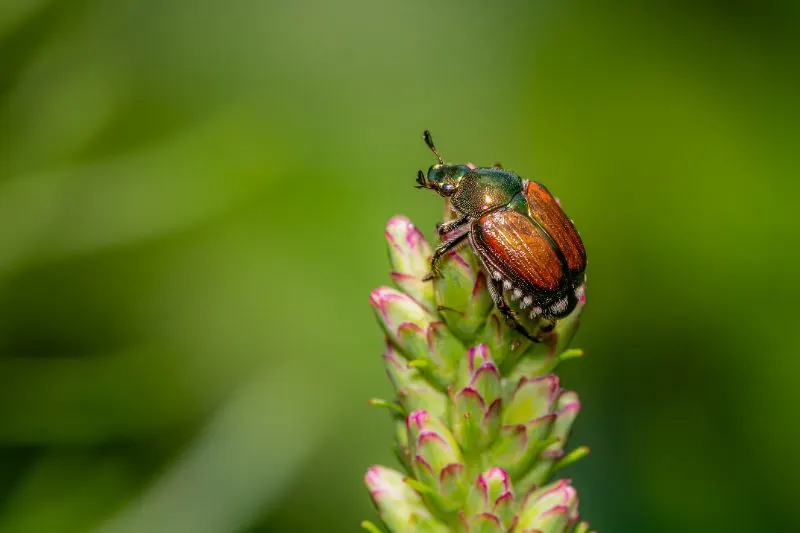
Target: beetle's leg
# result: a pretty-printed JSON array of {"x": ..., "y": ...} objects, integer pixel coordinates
[
  {"x": 497, "y": 165},
  {"x": 544, "y": 329},
  {"x": 496, "y": 292},
  {"x": 443, "y": 228},
  {"x": 548, "y": 326},
  {"x": 443, "y": 248}
]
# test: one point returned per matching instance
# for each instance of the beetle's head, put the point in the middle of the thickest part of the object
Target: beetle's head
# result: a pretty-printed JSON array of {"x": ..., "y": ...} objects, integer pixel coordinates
[{"x": 442, "y": 178}]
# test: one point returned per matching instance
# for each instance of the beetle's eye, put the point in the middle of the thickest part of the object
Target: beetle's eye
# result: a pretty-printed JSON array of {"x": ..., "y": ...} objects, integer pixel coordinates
[{"x": 448, "y": 189}]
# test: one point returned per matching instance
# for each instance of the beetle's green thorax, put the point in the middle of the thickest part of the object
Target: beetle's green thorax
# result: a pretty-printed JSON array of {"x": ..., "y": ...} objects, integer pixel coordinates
[{"x": 484, "y": 189}]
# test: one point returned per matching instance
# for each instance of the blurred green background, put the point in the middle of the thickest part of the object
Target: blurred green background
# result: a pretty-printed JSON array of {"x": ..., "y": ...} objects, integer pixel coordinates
[{"x": 192, "y": 202}]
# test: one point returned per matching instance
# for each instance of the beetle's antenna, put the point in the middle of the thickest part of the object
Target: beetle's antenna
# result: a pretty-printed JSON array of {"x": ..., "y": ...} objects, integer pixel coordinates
[{"x": 426, "y": 136}]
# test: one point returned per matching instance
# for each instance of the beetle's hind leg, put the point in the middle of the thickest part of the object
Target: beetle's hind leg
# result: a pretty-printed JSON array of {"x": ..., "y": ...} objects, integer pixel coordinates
[
  {"x": 496, "y": 292},
  {"x": 547, "y": 326}
]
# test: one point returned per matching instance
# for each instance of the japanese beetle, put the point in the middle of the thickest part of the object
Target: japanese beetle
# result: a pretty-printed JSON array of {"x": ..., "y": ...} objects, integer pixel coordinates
[{"x": 530, "y": 250}]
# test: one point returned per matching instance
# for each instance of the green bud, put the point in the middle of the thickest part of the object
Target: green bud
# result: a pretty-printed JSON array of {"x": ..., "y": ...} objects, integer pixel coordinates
[
  {"x": 461, "y": 294},
  {"x": 477, "y": 405},
  {"x": 437, "y": 459},
  {"x": 492, "y": 496},
  {"x": 485, "y": 377},
  {"x": 525, "y": 424},
  {"x": 410, "y": 255},
  {"x": 552, "y": 509},
  {"x": 567, "y": 408},
  {"x": 566, "y": 411},
  {"x": 531, "y": 399},
  {"x": 411, "y": 328},
  {"x": 413, "y": 390},
  {"x": 395, "y": 309},
  {"x": 399, "y": 506},
  {"x": 505, "y": 344}
]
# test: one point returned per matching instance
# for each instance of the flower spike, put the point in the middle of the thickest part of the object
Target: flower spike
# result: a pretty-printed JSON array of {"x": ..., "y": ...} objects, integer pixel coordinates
[{"x": 481, "y": 420}]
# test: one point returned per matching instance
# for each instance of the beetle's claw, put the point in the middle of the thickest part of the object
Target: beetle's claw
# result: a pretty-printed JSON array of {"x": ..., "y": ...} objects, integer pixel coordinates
[{"x": 432, "y": 274}]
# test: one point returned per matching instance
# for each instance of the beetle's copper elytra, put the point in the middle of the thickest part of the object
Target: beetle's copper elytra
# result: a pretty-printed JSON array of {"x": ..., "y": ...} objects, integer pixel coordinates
[{"x": 531, "y": 252}]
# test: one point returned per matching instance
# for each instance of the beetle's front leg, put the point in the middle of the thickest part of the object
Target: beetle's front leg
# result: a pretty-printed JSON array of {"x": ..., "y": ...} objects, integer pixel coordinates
[
  {"x": 443, "y": 228},
  {"x": 443, "y": 248}
]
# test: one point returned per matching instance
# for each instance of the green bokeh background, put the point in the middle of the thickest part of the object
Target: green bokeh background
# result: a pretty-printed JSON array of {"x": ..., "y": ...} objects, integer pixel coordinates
[{"x": 192, "y": 202}]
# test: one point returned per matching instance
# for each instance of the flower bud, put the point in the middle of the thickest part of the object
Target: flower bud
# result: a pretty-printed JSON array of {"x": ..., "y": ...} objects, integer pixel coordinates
[
  {"x": 461, "y": 295},
  {"x": 567, "y": 408},
  {"x": 492, "y": 496},
  {"x": 526, "y": 422},
  {"x": 437, "y": 459},
  {"x": 477, "y": 405},
  {"x": 505, "y": 343},
  {"x": 566, "y": 411},
  {"x": 399, "y": 506},
  {"x": 532, "y": 398},
  {"x": 551, "y": 509},
  {"x": 410, "y": 255},
  {"x": 413, "y": 390},
  {"x": 413, "y": 330}
]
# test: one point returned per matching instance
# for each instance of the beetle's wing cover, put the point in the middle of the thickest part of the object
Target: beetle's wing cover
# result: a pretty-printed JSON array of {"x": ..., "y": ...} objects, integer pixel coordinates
[
  {"x": 546, "y": 211},
  {"x": 513, "y": 240}
]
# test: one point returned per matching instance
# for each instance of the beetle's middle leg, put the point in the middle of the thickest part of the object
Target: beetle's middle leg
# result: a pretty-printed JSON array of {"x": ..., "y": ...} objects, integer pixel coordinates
[{"x": 443, "y": 248}]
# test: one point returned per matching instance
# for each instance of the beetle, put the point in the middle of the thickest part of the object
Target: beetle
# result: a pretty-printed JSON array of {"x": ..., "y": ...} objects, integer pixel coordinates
[{"x": 531, "y": 252}]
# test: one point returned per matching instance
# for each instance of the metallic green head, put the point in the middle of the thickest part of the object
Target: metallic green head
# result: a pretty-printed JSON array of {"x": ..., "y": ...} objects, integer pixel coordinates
[
  {"x": 442, "y": 178},
  {"x": 472, "y": 191}
]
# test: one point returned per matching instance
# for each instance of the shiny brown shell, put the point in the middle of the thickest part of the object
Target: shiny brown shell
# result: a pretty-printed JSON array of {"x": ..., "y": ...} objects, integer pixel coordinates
[
  {"x": 536, "y": 261},
  {"x": 545, "y": 210},
  {"x": 522, "y": 246}
]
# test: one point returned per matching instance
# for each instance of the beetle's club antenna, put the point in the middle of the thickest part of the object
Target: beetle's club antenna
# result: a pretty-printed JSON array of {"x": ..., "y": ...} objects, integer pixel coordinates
[{"x": 426, "y": 136}]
